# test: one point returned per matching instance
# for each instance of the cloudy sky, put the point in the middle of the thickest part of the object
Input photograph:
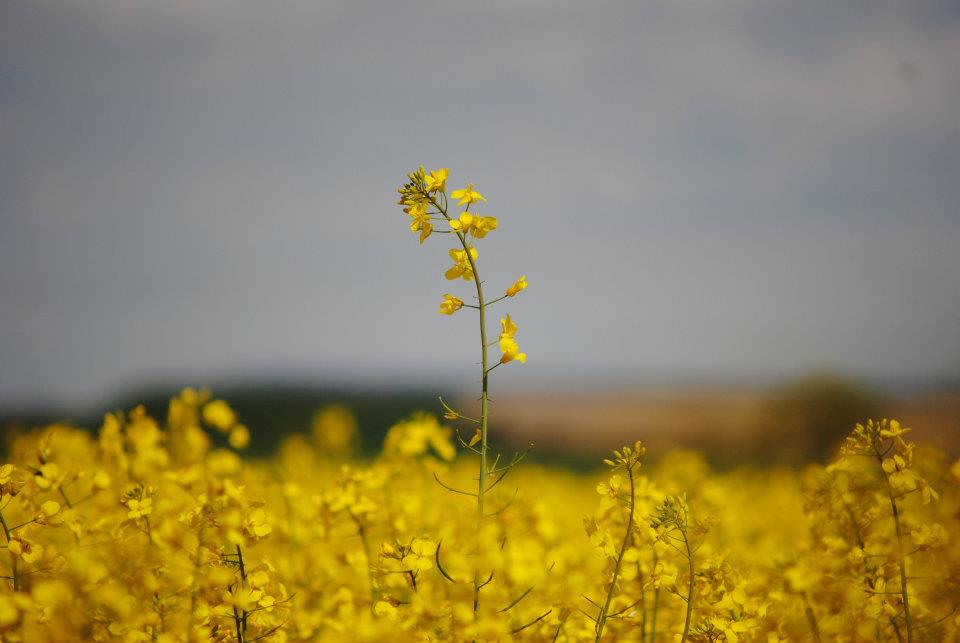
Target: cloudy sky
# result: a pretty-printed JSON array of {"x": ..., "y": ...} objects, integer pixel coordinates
[{"x": 193, "y": 191}]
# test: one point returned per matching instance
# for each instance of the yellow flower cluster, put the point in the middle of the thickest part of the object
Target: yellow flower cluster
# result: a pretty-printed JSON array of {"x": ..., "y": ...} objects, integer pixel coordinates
[
  {"x": 159, "y": 531},
  {"x": 424, "y": 199},
  {"x": 508, "y": 345}
]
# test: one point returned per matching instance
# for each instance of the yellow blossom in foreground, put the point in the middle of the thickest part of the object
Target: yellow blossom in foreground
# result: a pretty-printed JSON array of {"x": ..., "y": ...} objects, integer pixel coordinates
[
  {"x": 450, "y": 305},
  {"x": 461, "y": 264},
  {"x": 508, "y": 345},
  {"x": 361, "y": 550},
  {"x": 518, "y": 285},
  {"x": 467, "y": 195}
]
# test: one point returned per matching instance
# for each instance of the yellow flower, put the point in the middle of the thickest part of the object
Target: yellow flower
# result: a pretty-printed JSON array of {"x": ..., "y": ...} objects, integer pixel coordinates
[
  {"x": 101, "y": 480},
  {"x": 10, "y": 481},
  {"x": 462, "y": 223},
  {"x": 9, "y": 613},
  {"x": 475, "y": 225},
  {"x": 258, "y": 524},
  {"x": 242, "y": 598},
  {"x": 219, "y": 414},
  {"x": 239, "y": 437},
  {"x": 334, "y": 430},
  {"x": 28, "y": 551},
  {"x": 47, "y": 477},
  {"x": 385, "y": 609},
  {"x": 928, "y": 536},
  {"x": 420, "y": 219},
  {"x": 508, "y": 345},
  {"x": 519, "y": 284},
  {"x": 955, "y": 471},
  {"x": 461, "y": 264},
  {"x": 139, "y": 508},
  {"x": 418, "y": 436},
  {"x": 50, "y": 508},
  {"x": 482, "y": 225},
  {"x": 436, "y": 181},
  {"x": 467, "y": 195},
  {"x": 450, "y": 305},
  {"x": 260, "y": 579},
  {"x": 420, "y": 556}
]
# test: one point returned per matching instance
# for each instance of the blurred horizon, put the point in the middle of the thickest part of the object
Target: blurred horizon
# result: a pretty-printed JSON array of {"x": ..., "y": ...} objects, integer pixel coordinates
[
  {"x": 784, "y": 422},
  {"x": 700, "y": 195},
  {"x": 329, "y": 387}
]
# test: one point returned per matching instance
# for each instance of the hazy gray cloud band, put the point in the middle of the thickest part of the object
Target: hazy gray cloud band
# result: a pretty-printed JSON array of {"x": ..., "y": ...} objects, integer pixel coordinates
[{"x": 692, "y": 189}]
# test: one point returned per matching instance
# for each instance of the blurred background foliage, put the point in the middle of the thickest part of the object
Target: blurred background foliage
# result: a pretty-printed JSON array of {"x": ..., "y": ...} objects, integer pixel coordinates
[{"x": 791, "y": 423}]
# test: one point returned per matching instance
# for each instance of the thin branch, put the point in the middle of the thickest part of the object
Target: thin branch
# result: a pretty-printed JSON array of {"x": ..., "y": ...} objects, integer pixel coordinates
[
  {"x": 506, "y": 506},
  {"x": 591, "y": 601},
  {"x": 592, "y": 618},
  {"x": 533, "y": 622},
  {"x": 436, "y": 558},
  {"x": 631, "y": 605},
  {"x": 449, "y": 488},
  {"x": 517, "y": 600}
]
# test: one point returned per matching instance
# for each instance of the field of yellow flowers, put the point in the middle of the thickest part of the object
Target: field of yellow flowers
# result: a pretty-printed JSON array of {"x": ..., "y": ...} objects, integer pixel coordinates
[{"x": 158, "y": 530}]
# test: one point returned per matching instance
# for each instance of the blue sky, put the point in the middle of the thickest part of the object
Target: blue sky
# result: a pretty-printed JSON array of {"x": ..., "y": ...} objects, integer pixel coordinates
[{"x": 200, "y": 191}]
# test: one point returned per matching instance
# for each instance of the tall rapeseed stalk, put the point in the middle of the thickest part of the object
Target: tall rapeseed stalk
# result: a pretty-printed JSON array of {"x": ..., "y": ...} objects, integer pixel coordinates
[{"x": 424, "y": 198}]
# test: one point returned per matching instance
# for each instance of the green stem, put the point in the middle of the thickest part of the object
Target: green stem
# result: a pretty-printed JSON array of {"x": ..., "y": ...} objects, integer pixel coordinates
[
  {"x": 482, "y": 478},
  {"x": 243, "y": 583},
  {"x": 656, "y": 600},
  {"x": 361, "y": 530},
  {"x": 811, "y": 618},
  {"x": 602, "y": 618},
  {"x": 484, "y": 404},
  {"x": 643, "y": 605},
  {"x": 879, "y": 454},
  {"x": 196, "y": 587},
  {"x": 237, "y": 623},
  {"x": 13, "y": 557},
  {"x": 240, "y": 618},
  {"x": 686, "y": 622},
  {"x": 903, "y": 563}
]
